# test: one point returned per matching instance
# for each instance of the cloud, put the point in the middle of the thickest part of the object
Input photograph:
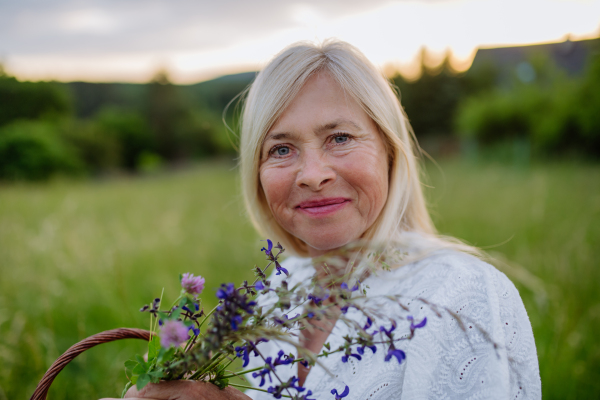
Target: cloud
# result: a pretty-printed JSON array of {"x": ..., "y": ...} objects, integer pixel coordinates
[
  {"x": 97, "y": 26},
  {"x": 199, "y": 39}
]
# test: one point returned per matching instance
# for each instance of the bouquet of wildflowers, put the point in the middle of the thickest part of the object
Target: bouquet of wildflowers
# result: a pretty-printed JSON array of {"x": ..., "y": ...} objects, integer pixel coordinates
[{"x": 191, "y": 343}]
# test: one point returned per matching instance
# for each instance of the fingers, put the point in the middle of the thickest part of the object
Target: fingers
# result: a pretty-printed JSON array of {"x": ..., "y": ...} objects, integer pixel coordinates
[
  {"x": 185, "y": 390},
  {"x": 132, "y": 398}
]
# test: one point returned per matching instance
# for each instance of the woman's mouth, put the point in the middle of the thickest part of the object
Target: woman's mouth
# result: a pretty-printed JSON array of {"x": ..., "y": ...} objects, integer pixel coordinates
[{"x": 322, "y": 207}]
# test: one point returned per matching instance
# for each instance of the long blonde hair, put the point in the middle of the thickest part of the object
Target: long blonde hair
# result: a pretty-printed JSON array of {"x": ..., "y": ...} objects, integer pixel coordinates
[{"x": 273, "y": 90}]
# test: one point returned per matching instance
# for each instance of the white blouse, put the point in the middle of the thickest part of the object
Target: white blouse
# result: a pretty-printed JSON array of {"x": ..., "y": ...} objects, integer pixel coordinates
[{"x": 442, "y": 360}]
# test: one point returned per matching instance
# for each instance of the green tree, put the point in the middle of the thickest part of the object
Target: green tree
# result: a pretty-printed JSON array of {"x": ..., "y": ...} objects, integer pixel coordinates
[
  {"x": 130, "y": 130},
  {"x": 34, "y": 150},
  {"x": 32, "y": 100}
]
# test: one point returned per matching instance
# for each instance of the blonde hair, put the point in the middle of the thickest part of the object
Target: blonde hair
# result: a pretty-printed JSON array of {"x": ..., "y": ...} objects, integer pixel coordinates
[{"x": 273, "y": 90}]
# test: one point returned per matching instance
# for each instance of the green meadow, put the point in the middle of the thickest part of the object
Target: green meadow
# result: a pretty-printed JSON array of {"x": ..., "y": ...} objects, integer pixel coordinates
[{"x": 80, "y": 257}]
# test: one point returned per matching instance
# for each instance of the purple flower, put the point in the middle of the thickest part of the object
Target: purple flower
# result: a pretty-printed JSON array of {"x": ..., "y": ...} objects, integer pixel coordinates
[
  {"x": 283, "y": 359},
  {"x": 345, "y": 358},
  {"x": 344, "y": 286},
  {"x": 192, "y": 284},
  {"x": 259, "y": 285},
  {"x": 344, "y": 309},
  {"x": 339, "y": 396},
  {"x": 269, "y": 248},
  {"x": 280, "y": 269},
  {"x": 285, "y": 321},
  {"x": 417, "y": 326},
  {"x": 277, "y": 391},
  {"x": 388, "y": 332},
  {"x": 361, "y": 350},
  {"x": 305, "y": 397},
  {"x": 244, "y": 351},
  {"x": 394, "y": 352},
  {"x": 266, "y": 371},
  {"x": 225, "y": 291},
  {"x": 319, "y": 298},
  {"x": 173, "y": 333}
]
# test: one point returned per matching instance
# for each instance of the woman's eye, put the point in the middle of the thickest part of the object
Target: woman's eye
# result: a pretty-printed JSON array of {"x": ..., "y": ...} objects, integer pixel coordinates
[
  {"x": 282, "y": 151},
  {"x": 341, "y": 139}
]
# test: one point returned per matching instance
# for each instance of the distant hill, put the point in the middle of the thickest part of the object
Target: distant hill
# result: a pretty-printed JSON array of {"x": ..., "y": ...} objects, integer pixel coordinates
[
  {"x": 217, "y": 93},
  {"x": 214, "y": 94},
  {"x": 569, "y": 56}
]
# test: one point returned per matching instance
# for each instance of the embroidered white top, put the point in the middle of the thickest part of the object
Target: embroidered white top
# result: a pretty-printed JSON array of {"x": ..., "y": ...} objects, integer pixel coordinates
[{"x": 442, "y": 360}]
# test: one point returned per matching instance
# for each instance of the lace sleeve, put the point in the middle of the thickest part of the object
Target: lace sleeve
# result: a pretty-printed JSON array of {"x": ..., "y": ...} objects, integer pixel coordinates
[{"x": 484, "y": 349}]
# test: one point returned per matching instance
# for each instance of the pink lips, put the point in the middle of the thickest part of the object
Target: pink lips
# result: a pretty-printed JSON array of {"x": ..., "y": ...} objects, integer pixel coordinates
[{"x": 322, "y": 207}]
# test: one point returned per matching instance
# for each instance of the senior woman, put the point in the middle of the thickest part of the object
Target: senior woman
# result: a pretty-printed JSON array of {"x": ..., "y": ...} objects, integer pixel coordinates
[{"x": 327, "y": 159}]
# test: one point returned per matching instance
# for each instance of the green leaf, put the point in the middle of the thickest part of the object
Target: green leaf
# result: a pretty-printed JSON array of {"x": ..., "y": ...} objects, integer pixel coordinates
[
  {"x": 165, "y": 355},
  {"x": 221, "y": 383},
  {"x": 140, "y": 369},
  {"x": 163, "y": 316},
  {"x": 130, "y": 365},
  {"x": 158, "y": 374},
  {"x": 155, "y": 376},
  {"x": 143, "y": 380},
  {"x": 153, "y": 348},
  {"x": 176, "y": 313}
]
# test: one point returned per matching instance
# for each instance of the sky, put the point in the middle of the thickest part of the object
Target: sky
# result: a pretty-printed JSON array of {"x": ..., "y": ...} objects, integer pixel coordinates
[{"x": 195, "y": 40}]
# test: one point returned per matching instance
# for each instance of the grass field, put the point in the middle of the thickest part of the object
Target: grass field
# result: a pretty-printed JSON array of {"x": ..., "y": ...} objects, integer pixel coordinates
[{"x": 77, "y": 258}]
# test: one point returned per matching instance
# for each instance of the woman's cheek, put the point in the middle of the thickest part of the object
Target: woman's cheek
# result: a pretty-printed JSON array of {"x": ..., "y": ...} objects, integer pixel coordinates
[{"x": 276, "y": 185}]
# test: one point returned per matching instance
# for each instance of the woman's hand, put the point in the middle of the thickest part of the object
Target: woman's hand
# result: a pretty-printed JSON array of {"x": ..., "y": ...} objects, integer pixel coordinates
[{"x": 184, "y": 390}]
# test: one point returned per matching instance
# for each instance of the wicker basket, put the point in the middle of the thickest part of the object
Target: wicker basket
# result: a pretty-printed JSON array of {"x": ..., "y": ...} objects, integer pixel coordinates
[{"x": 103, "y": 337}]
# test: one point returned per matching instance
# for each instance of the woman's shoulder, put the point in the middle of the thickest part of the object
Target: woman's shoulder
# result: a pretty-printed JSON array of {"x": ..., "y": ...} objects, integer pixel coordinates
[
  {"x": 482, "y": 318},
  {"x": 453, "y": 269},
  {"x": 465, "y": 272}
]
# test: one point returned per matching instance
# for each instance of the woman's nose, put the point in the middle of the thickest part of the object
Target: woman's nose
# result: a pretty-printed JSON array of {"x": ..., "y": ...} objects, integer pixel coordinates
[{"x": 315, "y": 171}]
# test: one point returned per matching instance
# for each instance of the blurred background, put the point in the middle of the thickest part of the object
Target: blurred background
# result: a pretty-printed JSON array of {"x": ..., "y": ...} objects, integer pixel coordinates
[{"x": 117, "y": 171}]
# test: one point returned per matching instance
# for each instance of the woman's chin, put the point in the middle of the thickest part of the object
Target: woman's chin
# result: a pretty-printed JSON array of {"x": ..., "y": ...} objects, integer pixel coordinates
[{"x": 325, "y": 245}]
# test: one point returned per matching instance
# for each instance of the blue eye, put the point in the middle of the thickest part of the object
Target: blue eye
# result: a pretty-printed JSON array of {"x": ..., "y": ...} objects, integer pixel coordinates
[
  {"x": 283, "y": 151},
  {"x": 341, "y": 139}
]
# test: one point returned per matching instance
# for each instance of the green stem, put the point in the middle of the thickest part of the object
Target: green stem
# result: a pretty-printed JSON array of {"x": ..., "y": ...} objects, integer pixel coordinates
[
  {"x": 208, "y": 315},
  {"x": 215, "y": 360},
  {"x": 243, "y": 372},
  {"x": 253, "y": 388}
]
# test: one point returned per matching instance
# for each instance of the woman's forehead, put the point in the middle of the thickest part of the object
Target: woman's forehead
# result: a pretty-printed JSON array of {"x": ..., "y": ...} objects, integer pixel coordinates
[{"x": 321, "y": 105}]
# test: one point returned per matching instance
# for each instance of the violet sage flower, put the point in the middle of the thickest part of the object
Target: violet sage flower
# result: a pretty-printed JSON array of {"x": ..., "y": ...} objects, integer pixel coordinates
[
  {"x": 414, "y": 326},
  {"x": 394, "y": 352},
  {"x": 339, "y": 396},
  {"x": 269, "y": 248}
]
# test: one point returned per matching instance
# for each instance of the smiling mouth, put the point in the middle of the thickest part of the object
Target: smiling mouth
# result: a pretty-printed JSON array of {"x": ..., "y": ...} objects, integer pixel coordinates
[{"x": 322, "y": 207}]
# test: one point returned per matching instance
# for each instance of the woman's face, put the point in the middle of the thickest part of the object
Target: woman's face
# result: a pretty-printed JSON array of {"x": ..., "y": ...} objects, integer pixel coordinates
[{"x": 324, "y": 168}]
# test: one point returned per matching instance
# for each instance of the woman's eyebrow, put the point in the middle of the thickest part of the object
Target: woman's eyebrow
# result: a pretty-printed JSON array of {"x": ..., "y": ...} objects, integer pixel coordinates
[
  {"x": 332, "y": 125},
  {"x": 278, "y": 136},
  {"x": 320, "y": 129}
]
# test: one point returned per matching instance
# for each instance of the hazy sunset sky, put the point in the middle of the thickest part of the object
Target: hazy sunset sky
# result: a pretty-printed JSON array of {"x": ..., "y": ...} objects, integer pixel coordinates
[{"x": 129, "y": 40}]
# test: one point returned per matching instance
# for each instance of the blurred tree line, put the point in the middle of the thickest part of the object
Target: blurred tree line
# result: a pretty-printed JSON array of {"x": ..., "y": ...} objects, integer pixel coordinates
[
  {"x": 81, "y": 128},
  {"x": 536, "y": 108}
]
